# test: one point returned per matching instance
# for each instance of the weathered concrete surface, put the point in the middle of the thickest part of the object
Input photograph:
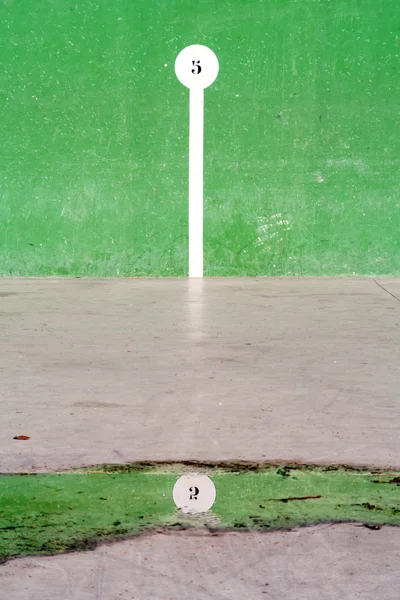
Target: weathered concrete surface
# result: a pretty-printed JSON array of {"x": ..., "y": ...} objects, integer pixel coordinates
[
  {"x": 341, "y": 562},
  {"x": 255, "y": 369},
  {"x": 272, "y": 369}
]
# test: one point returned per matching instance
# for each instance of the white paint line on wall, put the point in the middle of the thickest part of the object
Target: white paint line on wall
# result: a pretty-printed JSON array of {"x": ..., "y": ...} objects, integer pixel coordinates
[
  {"x": 196, "y": 67},
  {"x": 196, "y": 180}
]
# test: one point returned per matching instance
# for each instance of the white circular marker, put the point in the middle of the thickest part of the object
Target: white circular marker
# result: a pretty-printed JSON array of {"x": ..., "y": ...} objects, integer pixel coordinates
[
  {"x": 194, "y": 493},
  {"x": 196, "y": 66}
]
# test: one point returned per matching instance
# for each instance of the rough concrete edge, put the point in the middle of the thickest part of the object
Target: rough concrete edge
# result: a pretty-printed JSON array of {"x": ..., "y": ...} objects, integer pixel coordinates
[
  {"x": 90, "y": 544},
  {"x": 187, "y": 465}
]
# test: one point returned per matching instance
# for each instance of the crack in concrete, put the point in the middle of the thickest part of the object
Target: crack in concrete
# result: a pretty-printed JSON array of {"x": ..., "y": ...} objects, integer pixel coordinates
[{"x": 387, "y": 291}]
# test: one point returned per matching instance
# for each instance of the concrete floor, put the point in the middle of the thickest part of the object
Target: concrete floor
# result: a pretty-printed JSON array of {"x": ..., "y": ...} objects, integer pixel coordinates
[
  {"x": 304, "y": 370},
  {"x": 341, "y": 562}
]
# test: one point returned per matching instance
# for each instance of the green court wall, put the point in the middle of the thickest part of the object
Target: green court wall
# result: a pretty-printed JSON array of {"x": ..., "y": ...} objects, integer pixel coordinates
[{"x": 302, "y": 137}]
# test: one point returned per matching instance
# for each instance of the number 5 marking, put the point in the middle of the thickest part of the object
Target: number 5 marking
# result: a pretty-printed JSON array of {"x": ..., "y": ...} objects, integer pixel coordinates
[{"x": 196, "y": 64}]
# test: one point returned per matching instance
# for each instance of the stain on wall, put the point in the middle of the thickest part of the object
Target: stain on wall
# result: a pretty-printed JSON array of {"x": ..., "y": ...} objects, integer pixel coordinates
[{"x": 302, "y": 137}]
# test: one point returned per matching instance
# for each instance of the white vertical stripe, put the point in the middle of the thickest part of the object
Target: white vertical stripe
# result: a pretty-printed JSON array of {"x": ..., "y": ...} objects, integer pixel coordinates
[{"x": 196, "y": 143}]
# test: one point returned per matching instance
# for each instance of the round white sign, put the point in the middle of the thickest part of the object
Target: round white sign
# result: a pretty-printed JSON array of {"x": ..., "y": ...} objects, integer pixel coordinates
[
  {"x": 194, "y": 493},
  {"x": 196, "y": 66}
]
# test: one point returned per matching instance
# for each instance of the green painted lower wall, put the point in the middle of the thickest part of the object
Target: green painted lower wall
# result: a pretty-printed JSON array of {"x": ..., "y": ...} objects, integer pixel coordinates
[
  {"x": 52, "y": 513},
  {"x": 302, "y": 137}
]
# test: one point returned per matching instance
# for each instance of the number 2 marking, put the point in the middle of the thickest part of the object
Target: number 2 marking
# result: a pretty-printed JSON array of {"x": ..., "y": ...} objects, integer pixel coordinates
[
  {"x": 194, "y": 492},
  {"x": 196, "y": 64}
]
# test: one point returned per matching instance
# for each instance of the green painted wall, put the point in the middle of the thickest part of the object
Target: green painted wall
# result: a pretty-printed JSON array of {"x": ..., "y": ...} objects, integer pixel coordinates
[
  {"x": 302, "y": 137},
  {"x": 52, "y": 513}
]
